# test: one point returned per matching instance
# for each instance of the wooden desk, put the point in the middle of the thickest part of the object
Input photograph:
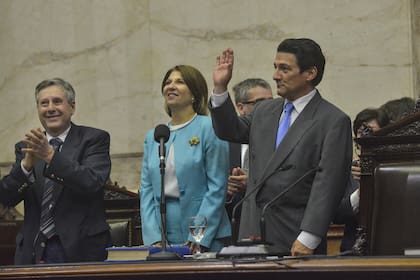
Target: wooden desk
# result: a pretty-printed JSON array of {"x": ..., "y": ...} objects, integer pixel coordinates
[
  {"x": 9, "y": 230},
  {"x": 318, "y": 268},
  {"x": 334, "y": 236}
]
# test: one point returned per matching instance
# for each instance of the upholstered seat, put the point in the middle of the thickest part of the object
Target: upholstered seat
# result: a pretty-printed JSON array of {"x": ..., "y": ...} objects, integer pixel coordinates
[
  {"x": 119, "y": 233},
  {"x": 396, "y": 208},
  {"x": 123, "y": 215}
]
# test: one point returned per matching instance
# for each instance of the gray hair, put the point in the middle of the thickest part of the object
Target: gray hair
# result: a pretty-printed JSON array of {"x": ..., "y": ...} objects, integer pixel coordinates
[
  {"x": 66, "y": 86},
  {"x": 241, "y": 89}
]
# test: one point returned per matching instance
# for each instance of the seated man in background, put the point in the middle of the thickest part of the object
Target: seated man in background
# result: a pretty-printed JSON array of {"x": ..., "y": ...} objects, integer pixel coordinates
[{"x": 59, "y": 173}]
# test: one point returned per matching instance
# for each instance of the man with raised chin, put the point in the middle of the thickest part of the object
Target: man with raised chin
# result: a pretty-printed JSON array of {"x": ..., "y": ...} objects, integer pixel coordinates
[{"x": 300, "y": 130}]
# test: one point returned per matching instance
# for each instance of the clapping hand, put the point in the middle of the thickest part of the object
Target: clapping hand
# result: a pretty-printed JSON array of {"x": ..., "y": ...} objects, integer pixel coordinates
[
  {"x": 237, "y": 182},
  {"x": 37, "y": 148}
]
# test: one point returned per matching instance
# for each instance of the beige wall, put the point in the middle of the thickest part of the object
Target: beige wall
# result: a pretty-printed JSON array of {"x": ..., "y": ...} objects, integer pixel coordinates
[{"x": 116, "y": 52}]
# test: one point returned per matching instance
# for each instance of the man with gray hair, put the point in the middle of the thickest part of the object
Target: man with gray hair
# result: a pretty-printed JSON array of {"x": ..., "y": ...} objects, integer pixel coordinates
[
  {"x": 59, "y": 173},
  {"x": 249, "y": 92}
]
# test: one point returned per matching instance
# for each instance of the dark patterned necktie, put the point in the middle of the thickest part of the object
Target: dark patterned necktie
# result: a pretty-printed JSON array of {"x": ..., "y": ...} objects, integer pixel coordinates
[{"x": 47, "y": 221}]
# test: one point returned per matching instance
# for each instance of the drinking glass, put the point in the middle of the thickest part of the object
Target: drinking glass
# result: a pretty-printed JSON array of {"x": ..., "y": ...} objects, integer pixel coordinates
[{"x": 197, "y": 226}]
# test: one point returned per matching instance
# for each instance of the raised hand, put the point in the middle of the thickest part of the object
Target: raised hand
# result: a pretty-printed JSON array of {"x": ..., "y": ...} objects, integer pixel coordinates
[{"x": 223, "y": 71}]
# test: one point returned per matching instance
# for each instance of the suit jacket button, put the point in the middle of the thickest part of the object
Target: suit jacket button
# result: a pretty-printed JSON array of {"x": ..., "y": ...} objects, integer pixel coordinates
[
  {"x": 42, "y": 244},
  {"x": 52, "y": 176}
]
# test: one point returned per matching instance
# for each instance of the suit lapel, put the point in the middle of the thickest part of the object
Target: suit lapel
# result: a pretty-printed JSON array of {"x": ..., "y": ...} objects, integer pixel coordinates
[
  {"x": 298, "y": 129},
  {"x": 39, "y": 180},
  {"x": 273, "y": 114},
  {"x": 275, "y": 118},
  {"x": 266, "y": 123},
  {"x": 72, "y": 142},
  {"x": 68, "y": 150}
]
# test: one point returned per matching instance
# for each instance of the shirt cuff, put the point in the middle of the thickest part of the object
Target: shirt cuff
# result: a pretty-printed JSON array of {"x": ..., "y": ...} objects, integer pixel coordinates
[
  {"x": 309, "y": 240},
  {"x": 28, "y": 174},
  {"x": 354, "y": 200},
  {"x": 218, "y": 99}
]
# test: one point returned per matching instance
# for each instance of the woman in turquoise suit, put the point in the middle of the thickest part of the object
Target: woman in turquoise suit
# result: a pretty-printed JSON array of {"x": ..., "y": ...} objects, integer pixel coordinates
[{"x": 196, "y": 167}]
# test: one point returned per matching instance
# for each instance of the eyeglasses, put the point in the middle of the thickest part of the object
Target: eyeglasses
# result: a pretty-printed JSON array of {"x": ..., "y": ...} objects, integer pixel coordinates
[
  {"x": 366, "y": 129},
  {"x": 253, "y": 102}
]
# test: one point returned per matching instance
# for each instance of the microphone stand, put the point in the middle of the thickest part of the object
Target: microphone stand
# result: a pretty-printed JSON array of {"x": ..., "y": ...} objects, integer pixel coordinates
[
  {"x": 252, "y": 247},
  {"x": 263, "y": 248},
  {"x": 257, "y": 187},
  {"x": 164, "y": 254},
  {"x": 268, "y": 204}
]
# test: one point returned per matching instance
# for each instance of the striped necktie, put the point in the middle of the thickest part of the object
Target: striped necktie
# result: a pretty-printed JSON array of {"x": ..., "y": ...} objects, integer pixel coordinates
[{"x": 47, "y": 222}]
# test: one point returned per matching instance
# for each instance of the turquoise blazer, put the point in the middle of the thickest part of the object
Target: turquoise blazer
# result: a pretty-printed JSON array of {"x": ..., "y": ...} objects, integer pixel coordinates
[{"x": 201, "y": 169}]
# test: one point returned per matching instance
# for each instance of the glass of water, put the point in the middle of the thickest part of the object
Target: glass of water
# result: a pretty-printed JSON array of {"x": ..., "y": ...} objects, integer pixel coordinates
[{"x": 197, "y": 226}]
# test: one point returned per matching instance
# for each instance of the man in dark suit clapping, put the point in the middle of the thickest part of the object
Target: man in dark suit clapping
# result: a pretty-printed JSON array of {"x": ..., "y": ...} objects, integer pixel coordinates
[{"x": 59, "y": 173}]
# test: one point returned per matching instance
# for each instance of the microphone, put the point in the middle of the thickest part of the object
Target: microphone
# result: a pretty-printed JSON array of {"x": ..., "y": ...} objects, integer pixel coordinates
[
  {"x": 270, "y": 203},
  {"x": 257, "y": 187},
  {"x": 162, "y": 136}
]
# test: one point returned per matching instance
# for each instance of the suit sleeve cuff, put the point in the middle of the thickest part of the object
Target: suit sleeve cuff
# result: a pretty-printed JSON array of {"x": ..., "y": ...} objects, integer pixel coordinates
[{"x": 308, "y": 239}]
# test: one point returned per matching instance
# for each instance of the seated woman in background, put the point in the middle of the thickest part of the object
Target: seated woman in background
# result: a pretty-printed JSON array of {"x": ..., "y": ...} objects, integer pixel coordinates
[
  {"x": 196, "y": 167},
  {"x": 366, "y": 122}
]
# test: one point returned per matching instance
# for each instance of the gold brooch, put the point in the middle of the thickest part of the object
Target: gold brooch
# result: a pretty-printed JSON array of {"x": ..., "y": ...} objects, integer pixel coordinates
[{"x": 194, "y": 140}]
